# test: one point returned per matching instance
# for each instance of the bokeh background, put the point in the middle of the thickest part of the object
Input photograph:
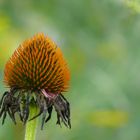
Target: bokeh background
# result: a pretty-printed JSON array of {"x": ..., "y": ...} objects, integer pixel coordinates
[{"x": 101, "y": 42}]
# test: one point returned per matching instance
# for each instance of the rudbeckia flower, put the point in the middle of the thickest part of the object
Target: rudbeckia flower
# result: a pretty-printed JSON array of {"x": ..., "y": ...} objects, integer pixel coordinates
[{"x": 36, "y": 74}]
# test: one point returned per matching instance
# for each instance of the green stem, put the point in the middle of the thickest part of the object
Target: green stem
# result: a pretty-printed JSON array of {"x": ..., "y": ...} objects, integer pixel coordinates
[{"x": 31, "y": 126}]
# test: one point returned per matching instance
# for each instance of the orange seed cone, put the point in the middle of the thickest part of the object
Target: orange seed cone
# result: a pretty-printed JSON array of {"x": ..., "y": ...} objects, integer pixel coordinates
[{"x": 37, "y": 64}]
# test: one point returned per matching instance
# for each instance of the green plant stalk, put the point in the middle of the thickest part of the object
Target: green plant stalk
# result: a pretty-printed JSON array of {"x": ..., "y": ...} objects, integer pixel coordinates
[{"x": 31, "y": 126}]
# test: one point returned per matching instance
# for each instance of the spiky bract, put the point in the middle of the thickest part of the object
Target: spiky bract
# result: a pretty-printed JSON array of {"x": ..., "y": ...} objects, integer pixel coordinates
[{"x": 37, "y": 64}]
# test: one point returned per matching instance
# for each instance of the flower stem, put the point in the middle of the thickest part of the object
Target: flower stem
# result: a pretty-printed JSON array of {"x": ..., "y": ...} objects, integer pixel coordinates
[{"x": 31, "y": 126}]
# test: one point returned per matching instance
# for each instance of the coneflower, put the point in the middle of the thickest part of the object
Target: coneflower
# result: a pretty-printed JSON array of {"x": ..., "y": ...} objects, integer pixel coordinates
[{"x": 36, "y": 74}]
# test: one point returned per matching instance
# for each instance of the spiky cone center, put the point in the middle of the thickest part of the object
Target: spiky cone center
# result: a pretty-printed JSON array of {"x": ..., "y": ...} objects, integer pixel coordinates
[
  {"x": 37, "y": 64},
  {"x": 36, "y": 74}
]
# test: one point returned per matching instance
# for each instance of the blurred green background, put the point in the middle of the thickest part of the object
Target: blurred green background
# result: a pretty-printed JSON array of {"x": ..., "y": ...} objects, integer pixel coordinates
[{"x": 100, "y": 40}]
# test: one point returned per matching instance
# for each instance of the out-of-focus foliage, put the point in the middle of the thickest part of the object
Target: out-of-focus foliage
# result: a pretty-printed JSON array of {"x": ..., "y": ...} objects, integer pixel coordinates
[
  {"x": 134, "y": 4},
  {"x": 100, "y": 40}
]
